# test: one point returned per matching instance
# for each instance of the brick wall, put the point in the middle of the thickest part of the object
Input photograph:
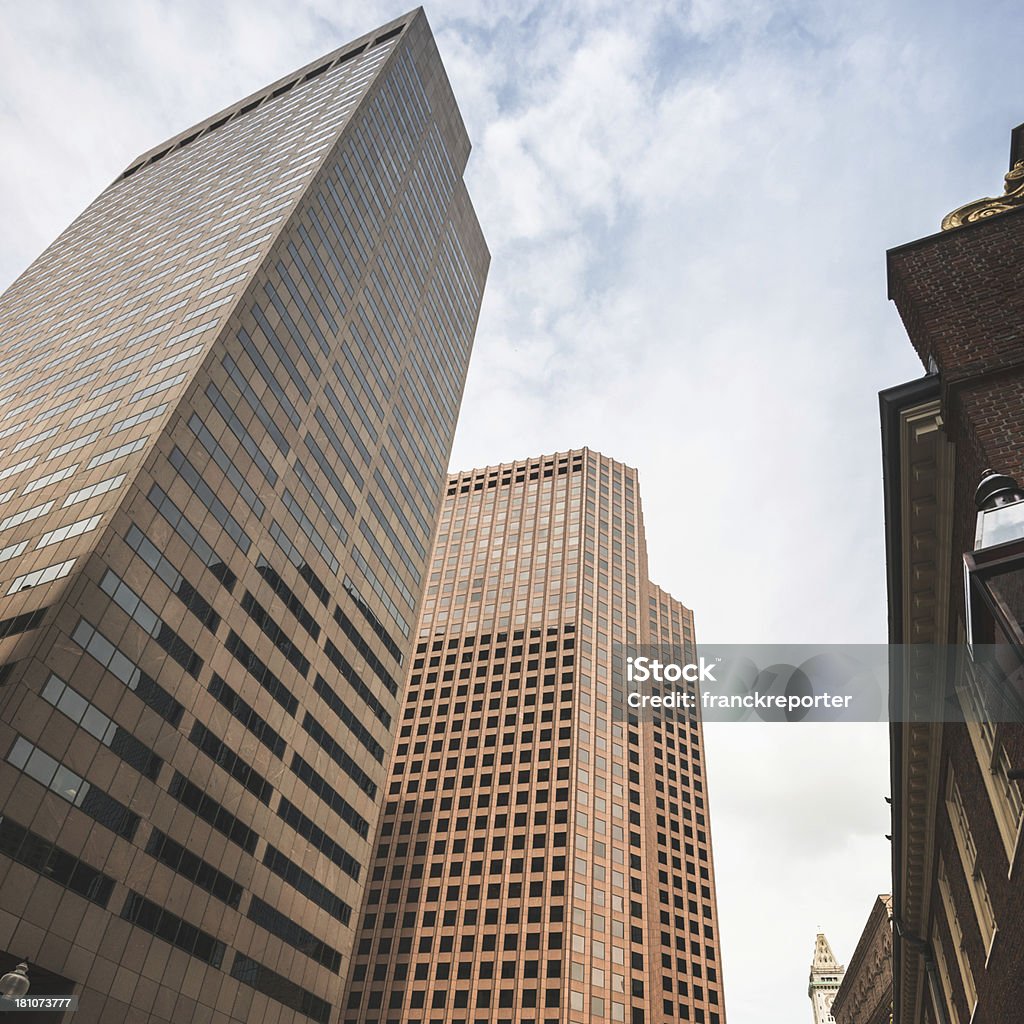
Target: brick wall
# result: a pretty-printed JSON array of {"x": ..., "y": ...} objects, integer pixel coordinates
[{"x": 961, "y": 296}]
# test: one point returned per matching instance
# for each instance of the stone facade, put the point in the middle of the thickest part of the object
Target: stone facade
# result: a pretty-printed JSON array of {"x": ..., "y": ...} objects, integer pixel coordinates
[{"x": 865, "y": 996}]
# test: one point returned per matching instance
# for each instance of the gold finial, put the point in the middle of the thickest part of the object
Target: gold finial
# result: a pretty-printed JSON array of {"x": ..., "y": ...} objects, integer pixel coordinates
[{"x": 1012, "y": 197}]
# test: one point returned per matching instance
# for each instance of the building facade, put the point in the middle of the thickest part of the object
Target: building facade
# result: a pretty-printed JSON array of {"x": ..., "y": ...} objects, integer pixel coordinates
[
  {"x": 955, "y": 560},
  {"x": 824, "y": 980},
  {"x": 542, "y": 856},
  {"x": 227, "y": 397},
  {"x": 865, "y": 996}
]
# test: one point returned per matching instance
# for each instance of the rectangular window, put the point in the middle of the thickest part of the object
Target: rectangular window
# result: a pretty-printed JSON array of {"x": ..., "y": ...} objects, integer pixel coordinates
[
  {"x": 969, "y": 860},
  {"x": 1004, "y": 793},
  {"x": 12, "y": 550},
  {"x": 957, "y": 935}
]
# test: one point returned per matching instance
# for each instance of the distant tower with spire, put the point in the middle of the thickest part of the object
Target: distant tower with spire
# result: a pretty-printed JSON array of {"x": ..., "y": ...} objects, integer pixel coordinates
[{"x": 826, "y": 977}]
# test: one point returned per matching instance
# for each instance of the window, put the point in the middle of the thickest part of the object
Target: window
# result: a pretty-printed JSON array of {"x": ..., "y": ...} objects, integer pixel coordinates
[
  {"x": 969, "y": 859},
  {"x": 50, "y": 773},
  {"x": 41, "y": 576}
]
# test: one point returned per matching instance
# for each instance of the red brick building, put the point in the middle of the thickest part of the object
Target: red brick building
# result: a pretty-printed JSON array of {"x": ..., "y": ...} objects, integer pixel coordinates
[{"x": 958, "y": 901}]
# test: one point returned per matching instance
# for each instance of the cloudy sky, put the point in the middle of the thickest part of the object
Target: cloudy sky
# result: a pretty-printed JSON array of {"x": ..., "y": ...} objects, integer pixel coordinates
[{"x": 688, "y": 207}]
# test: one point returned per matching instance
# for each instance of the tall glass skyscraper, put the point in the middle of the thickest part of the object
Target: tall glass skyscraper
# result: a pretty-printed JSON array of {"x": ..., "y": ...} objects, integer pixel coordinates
[
  {"x": 543, "y": 856},
  {"x": 227, "y": 398}
]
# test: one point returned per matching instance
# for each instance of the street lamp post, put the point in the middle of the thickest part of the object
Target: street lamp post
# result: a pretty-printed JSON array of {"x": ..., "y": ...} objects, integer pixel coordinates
[{"x": 14, "y": 984}]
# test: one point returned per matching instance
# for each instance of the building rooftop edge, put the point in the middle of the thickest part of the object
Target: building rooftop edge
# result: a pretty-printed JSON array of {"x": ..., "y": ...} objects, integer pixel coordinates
[
  {"x": 378, "y": 35},
  {"x": 534, "y": 460}
]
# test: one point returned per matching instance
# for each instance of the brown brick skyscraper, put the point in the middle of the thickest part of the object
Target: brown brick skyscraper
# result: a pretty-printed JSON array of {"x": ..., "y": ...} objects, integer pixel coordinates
[
  {"x": 540, "y": 858},
  {"x": 227, "y": 398}
]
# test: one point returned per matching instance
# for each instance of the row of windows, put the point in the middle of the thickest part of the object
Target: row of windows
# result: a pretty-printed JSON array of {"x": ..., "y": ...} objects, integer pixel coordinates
[
  {"x": 248, "y": 659},
  {"x": 297, "y": 559},
  {"x": 352, "y": 721},
  {"x": 361, "y": 690},
  {"x": 374, "y": 623},
  {"x": 164, "y": 925},
  {"x": 264, "y": 980},
  {"x": 338, "y": 755},
  {"x": 316, "y": 836},
  {"x": 221, "y": 754},
  {"x": 147, "y": 689},
  {"x": 227, "y": 466},
  {"x": 164, "y": 849},
  {"x": 72, "y": 704},
  {"x": 293, "y": 934},
  {"x": 235, "y": 425},
  {"x": 288, "y": 597},
  {"x": 202, "y": 806},
  {"x": 247, "y": 715},
  {"x": 460, "y": 999},
  {"x": 277, "y": 636},
  {"x": 183, "y": 527},
  {"x": 151, "y": 623},
  {"x": 175, "y": 582},
  {"x": 60, "y": 779},
  {"x": 49, "y": 860},
  {"x": 202, "y": 490},
  {"x": 488, "y": 943}
]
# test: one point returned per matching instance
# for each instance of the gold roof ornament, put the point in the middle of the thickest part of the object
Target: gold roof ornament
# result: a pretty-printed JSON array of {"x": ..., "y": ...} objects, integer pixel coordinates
[{"x": 1011, "y": 199}]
